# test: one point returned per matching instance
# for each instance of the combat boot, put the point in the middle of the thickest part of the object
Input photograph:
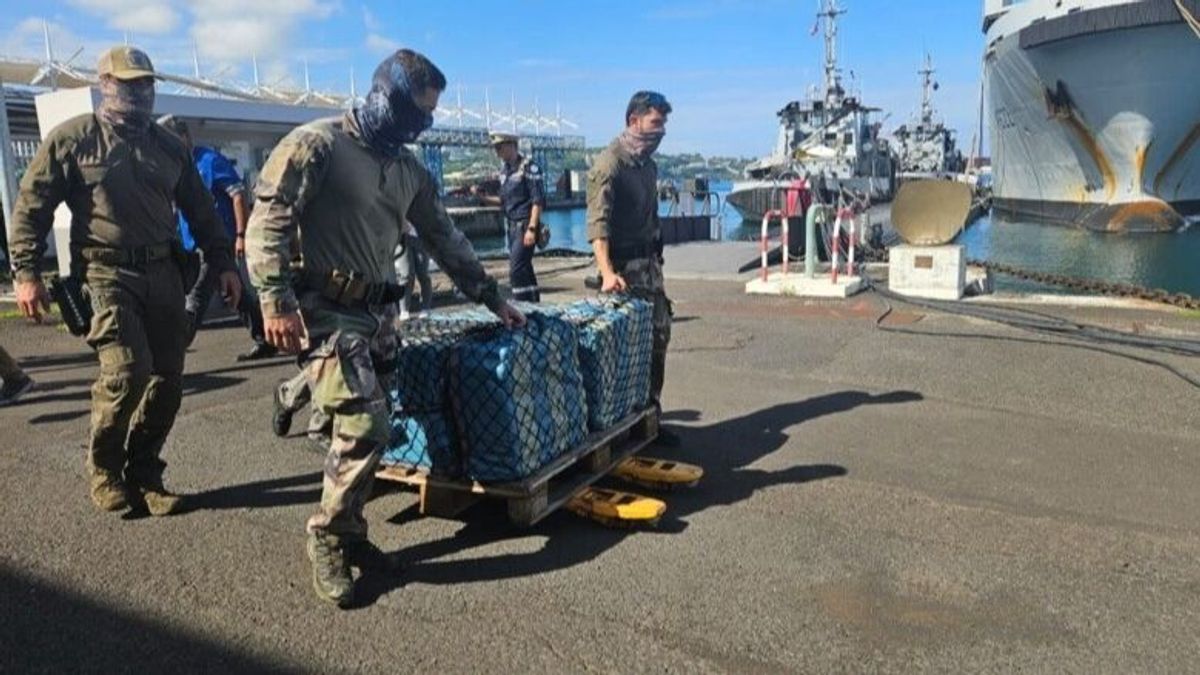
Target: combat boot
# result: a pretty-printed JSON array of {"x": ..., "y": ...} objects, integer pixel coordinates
[
  {"x": 331, "y": 572},
  {"x": 108, "y": 492},
  {"x": 159, "y": 500}
]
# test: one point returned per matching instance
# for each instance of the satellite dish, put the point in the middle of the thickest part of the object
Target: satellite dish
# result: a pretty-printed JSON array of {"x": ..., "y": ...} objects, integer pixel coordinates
[{"x": 931, "y": 212}]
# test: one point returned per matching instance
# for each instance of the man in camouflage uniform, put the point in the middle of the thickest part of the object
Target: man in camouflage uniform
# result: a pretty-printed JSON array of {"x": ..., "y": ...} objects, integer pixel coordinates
[
  {"x": 622, "y": 221},
  {"x": 347, "y": 184},
  {"x": 122, "y": 177}
]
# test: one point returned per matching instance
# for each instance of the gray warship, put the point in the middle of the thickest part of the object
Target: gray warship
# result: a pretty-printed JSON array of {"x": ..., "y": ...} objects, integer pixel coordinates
[
  {"x": 926, "y": 147},
  {"x": 832, "y": 139}
]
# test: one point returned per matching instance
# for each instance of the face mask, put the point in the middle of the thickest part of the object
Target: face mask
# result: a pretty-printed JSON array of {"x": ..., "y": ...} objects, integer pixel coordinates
[
  {"x": 390, "y": 118},
  {"x": 641, "y": 144},
  {"x": 127, "y": 105}
]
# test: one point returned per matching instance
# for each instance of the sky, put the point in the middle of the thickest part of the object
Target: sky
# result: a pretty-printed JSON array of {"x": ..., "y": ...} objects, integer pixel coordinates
[{"x": 727, "y": 66}]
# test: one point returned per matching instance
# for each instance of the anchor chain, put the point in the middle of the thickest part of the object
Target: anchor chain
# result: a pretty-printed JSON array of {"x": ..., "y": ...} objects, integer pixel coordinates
[
  {"x": 1095, "y": 286},
  {"x": 1080, "y": 284}
]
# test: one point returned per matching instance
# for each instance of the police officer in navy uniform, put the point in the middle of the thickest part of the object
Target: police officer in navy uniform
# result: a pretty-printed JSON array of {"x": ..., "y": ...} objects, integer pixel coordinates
[{"x": 523, "y": 198}]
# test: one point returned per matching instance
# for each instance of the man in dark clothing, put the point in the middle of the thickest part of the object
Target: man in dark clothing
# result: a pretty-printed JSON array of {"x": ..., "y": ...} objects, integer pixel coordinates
[
  {"x": 123, "y": 176},
  {"x": 623, "y": 226},
  {"x": 523, "y": 198}
]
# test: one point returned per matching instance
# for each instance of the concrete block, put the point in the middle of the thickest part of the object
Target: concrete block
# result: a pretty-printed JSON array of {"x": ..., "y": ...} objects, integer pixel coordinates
[
  {"x": 936, "y": 272},
  {"x": 803, "y": 287}
]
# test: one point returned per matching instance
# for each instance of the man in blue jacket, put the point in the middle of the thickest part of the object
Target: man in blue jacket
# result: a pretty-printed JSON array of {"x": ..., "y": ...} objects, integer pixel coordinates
[{"x": 230, "y": 199}]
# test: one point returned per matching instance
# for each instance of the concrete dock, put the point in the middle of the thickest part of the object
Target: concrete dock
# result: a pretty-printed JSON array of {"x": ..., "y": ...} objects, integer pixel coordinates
[{"x": 940, "y": 494}]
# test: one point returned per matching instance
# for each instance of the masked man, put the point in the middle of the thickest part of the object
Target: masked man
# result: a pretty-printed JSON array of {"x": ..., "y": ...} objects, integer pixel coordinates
[
  {"x": 622, "y": 221},
  {"x": 122, "y": 176},
  {"x": 345, "y": 186}
]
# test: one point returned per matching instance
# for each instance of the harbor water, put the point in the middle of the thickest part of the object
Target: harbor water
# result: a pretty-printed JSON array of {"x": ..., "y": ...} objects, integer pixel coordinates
[{"x": 1167, "y": 261}]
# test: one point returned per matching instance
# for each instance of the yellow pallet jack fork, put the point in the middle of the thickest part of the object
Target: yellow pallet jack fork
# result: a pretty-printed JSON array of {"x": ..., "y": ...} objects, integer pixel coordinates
[
  {"x": 616, "y": 509},
  {"x": 658, "y": 474}
]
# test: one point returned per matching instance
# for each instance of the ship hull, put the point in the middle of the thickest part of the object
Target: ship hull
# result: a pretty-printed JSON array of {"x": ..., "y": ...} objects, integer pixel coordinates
[
  {"x": 751, "y": 198},
  {"x": 1094, "y": 126}
]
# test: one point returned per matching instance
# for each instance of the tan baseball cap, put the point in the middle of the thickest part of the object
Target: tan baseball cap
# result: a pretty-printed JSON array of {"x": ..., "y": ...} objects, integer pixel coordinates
[
  {"x": 500, "y": 138},
  {"x": 125, "y": 63}
]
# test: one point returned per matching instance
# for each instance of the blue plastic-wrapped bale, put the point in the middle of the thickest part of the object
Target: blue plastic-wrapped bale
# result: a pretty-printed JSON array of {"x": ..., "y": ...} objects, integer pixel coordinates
[
  {"x": 423, "y": 357},
  {"x": 639, "y": 344},
  {"x": 565, "y": 398},
  {"x": 423, "y": 441},
  {"x": 423, "y": 435},
  {"x": 518, "y": 398},
  {"x": 615, "y": 343}
]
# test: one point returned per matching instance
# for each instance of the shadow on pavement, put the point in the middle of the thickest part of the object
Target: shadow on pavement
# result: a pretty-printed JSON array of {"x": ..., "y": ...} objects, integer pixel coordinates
[
  {"x": 261, "y": 494},
  {"x": 36, "y": 363},
  {"x": 199, "y": 383},
  {"x": 49, "y": 629},
  {"x": 724, "y": 449},
  {"x": 68, "y": 391},
  {"x": 64, "y": 416}
]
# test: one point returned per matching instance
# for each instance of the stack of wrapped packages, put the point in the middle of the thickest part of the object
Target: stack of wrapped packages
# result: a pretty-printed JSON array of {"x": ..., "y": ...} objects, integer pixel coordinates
[
  {"x": 615, "y": 342},
  {"x": 476, "y": 401}
]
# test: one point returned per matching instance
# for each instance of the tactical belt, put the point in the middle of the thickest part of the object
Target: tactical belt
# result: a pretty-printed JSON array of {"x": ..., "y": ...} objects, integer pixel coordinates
[
  {"x": 137, "y": 255},
  {"x": 351, "y": 290}
]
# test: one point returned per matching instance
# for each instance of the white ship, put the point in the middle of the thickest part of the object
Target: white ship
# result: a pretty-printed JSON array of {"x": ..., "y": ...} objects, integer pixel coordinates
[
  {"x": 1094, "y": 110},
  {"x": 831, "y": 139},
  {"x": 926, "y": 147}
]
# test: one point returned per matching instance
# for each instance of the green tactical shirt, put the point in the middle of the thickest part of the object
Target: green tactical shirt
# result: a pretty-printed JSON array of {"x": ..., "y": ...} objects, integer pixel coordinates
[
  {"x": 622, "y": 198},
  {"x": 122, "y": 194},
  {"x": 349, "y": 204}
]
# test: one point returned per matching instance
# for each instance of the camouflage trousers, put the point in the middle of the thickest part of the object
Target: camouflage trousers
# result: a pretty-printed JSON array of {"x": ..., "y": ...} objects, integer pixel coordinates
[
  {"x": 140, "y": 332},
  {"x": 349, "y": 369},
  {"x": 645, "y": 279},
  {"x": 294, "y": 394}
]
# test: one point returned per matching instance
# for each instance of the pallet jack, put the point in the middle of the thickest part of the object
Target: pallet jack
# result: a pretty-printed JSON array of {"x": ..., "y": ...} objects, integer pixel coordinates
[{"x": 615, "y": 508}]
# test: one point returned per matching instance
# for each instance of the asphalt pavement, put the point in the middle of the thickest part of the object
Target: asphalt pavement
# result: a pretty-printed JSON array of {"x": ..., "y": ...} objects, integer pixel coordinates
[{"x": 939, "y": 494}]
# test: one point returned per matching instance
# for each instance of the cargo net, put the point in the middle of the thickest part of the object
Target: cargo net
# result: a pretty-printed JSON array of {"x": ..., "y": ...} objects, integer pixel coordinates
[
  {"x": 518, "y": 398},
  {"x": 423, "y": 435},
  {"x": 615, "y": 344},
  {"x": 475, "y": 401}
]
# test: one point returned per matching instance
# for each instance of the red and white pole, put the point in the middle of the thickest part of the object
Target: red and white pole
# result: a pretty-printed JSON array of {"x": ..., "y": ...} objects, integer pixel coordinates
[
  {"x": 835, "y": 247},
  {"x": 763, "y": 242},
  {"x": 784, "y": 243},
  {"x": 850, "y": 253}
]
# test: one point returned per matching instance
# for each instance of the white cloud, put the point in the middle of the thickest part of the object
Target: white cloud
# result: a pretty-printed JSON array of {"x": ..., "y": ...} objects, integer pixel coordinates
[
  {"x": 381, "y": 46},
  {"x": 236, "y": 29},
  {"x": 154, "y": 17},
  {"x": 376, "y": 42}
]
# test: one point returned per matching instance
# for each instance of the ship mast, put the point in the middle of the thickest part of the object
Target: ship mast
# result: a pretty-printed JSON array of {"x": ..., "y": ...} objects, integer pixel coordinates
[
  {"x": 833, "y": 76},
  {"x": 927, "y": 86}
]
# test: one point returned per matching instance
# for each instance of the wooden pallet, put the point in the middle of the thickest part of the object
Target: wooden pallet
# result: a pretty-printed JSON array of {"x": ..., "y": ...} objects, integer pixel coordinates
[{"x": 539, "y": 495}]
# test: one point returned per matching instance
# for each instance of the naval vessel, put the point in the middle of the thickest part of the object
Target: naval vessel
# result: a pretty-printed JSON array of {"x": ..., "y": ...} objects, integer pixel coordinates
[
  {"x": 926, "y": 146},
  {"x": 1094, "y": 111},
  {"x": 830, "y": 138}
]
